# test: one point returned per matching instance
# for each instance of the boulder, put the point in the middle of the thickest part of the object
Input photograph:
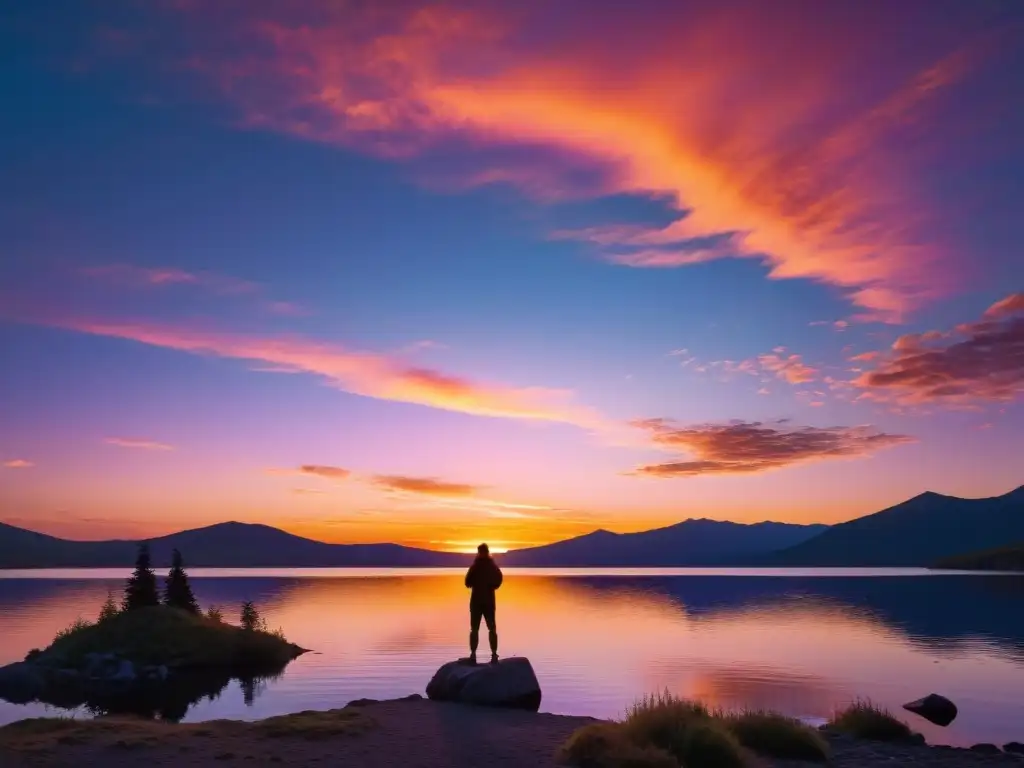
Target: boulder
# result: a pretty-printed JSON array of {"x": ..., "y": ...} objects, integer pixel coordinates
[
  {"x": 125, "y": 672},
  {"x": 1014, "y": 747},
  {"x": 986, "y": 749},
  {"x": 934, "y": 708},
  {"x": 509, "y": 683},
  {"x": 21, "y": 683}
]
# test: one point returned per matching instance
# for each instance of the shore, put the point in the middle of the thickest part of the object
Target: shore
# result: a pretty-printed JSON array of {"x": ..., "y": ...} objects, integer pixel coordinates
[{"x": 406, "y": 733}]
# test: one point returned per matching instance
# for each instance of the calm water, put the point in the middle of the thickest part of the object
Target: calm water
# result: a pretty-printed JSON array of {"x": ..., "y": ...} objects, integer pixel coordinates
[{"x": 802, "y": 642}]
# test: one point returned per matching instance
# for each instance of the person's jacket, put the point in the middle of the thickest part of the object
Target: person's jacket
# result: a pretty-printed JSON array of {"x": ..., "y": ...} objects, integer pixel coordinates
[{"x": 483, "y": 577}]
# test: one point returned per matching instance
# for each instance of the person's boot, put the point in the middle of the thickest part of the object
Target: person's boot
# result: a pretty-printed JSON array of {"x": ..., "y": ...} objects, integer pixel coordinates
[
  {"x": 493, "y": 638},
  {"x": 474, "y": 641}
]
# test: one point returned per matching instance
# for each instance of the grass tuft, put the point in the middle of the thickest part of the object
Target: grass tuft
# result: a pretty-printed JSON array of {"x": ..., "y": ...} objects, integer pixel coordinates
[
  {"x": 605, "y": 745},
  {"x": 865, "y": 720},
  {"x": 657, "y": 726},
  {"x": 775, "y": 735}
]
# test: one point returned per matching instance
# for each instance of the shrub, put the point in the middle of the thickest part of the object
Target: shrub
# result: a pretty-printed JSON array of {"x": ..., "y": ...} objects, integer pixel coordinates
[
  {"x": 177, "y": 590},
  {"x": 75, "y": 628},
  {"x": 251, "y": 619},
  {"x": 141, "y": 590},
  {"x": 215, "y": 614},
  {"x": 708, "y": 744},
  {"x": 663, "y": 720},
  {"x": 605, "y": 745},
  {"x": 775, "y": 735},
  {"x": 684, "y": 729},
  {"x": 110, "y": 608},
  {"x": 864, "y": 720}
]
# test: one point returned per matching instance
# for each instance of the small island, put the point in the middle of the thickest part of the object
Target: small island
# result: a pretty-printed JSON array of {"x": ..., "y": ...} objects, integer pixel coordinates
[{"x": 151, "y": 655}]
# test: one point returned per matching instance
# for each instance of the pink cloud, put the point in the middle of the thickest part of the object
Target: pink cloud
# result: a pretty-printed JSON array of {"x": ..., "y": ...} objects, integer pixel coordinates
[
  {"x": 144, "y": 445},
  {"x": 362, "y": 373},
  {"x": 789, "y": 368},
  {"x": 18, "y": 464},
  {"x": 975, "y": 362},
  {"x": 132, "y": 276},
  {"x": 740, "y": 447},
  {"x": 776, "y": 167}
]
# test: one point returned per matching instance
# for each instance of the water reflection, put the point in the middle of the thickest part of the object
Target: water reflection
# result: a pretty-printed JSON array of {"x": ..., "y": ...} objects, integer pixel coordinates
[{"x": 802, "y": 645}]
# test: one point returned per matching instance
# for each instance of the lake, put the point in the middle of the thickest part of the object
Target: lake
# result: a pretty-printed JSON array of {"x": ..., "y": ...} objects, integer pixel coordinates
[{"x": 799, "y": 641}]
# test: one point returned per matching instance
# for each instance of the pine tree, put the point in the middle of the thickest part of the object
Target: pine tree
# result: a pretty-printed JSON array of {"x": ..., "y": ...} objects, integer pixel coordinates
[
  {"x": 250, "y": 618},
  {"x": 177, "y": 591},
  {"x": 110, "y": 609},
  {"x": 141, "y": 590}
]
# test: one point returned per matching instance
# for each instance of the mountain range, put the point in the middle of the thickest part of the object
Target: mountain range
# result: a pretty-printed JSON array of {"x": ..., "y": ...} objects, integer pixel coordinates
[
  {"x": 922, "y": 531},
  {"x": 919, "y": 532}
]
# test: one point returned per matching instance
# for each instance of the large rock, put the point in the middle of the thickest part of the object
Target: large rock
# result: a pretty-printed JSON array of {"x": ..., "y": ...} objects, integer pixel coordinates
[
  {"x": 934, "y": 708},
  {"x": 509, "y": 683},
  {"x": 21, "y": 683}
]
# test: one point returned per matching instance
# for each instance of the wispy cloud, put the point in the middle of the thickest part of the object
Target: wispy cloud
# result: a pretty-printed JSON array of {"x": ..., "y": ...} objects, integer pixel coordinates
[
  {"x": 779, "y": 363},
  {"x": 428, "y": 486},
  {"x": 133, "y": 276},
  {"x": 742, "y": 447},
  {"x": 18, "y": 464},
  {"x": 774, "y": 167},
  {"x": 328, "y": 472},
  {"x": 362, "y": 373},
  {"x": 144, "y": 445},
  {"x": 790, "y": 368},
  {"x": 973, "y": 363}
]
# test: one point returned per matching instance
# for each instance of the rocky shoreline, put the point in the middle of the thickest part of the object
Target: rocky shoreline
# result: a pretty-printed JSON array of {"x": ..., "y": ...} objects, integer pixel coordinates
[{"x": 405, "y": 733}]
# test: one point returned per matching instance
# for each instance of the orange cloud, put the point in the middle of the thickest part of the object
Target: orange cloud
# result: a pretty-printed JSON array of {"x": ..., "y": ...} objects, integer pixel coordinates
[
  {"x": 790, "y": 368},
  {"x": 320, "y": 470},
  {"x": 18, "y": 464},
  {"x": 975, "y": 362},
  {"x": 748, "y": 447},
  {"x": 145, "y": 445},
  {"x": 428, "y": 486},
  {"x": 361, "y": 373},
  {"x": 768, "y": 141}
]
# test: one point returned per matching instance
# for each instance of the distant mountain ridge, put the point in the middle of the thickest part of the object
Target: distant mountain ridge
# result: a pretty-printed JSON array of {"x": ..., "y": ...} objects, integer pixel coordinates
[
  {"x": 919, "y": 532},
  {"x": 225, "y": 545},
  {"x": 694, "y": 542},
  {"x": 242, "y": 545},
  {"x": 1009, "y": 558},
  {"x": 922, "y": 531}
]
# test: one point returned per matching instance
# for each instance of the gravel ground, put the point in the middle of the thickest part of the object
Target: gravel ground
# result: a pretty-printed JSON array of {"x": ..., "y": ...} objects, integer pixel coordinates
[{"x": 397, "y": 734}]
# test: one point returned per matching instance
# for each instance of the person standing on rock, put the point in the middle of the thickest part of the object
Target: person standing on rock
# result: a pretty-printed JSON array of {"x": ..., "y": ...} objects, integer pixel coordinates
[{"x": 483, "y": 577}]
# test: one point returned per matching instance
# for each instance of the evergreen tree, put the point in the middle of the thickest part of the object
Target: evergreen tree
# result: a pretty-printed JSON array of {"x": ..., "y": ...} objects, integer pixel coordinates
[
  {"x": 251, "y": 619},
  {"x": 141, "y": 590},
  {"x": 110, "y": 609},
  {"x": 177, "y": 591}
]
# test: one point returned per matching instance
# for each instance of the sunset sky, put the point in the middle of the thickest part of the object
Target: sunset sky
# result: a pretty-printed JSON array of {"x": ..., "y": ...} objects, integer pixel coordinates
[{"x": 438, "y": 273}]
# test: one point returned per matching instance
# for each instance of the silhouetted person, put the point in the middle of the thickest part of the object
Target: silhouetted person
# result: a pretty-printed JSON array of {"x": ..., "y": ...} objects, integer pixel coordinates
[{"x": 483, "y": 577}]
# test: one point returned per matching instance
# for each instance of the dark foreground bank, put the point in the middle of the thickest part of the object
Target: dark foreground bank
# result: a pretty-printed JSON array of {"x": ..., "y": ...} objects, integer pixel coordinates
[{"x": 408, "y": 733}]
